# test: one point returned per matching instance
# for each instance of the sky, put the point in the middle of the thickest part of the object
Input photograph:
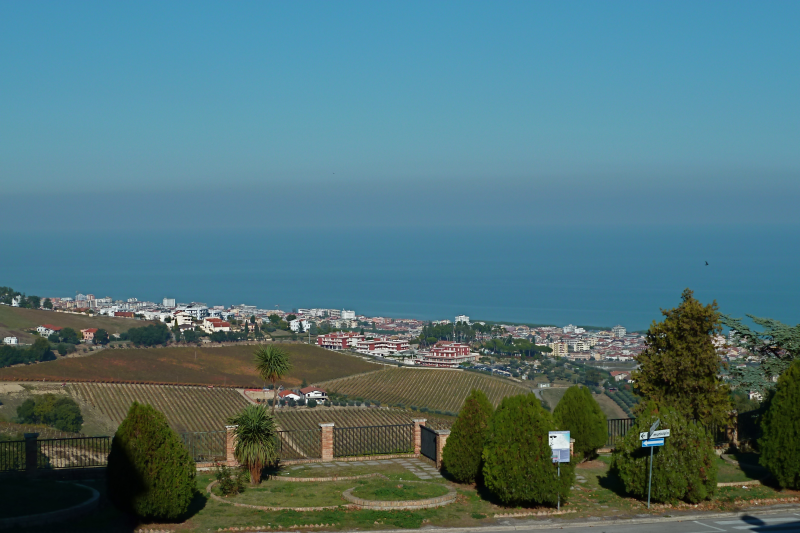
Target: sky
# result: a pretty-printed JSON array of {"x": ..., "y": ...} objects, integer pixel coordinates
[{"x": 488, "y": 124}]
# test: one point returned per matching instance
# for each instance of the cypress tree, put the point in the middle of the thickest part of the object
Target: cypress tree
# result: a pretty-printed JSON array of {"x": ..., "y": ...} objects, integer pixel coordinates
[
  {"x": 517, "y": 464},
  {"x": 461, "y": 456},
  {"x": 685, "y": 468},
  {"x": 580, "y": 414},
  {"x": 680, "y": 365},
  {"x": 780, "y": 445},
  {"x": 150, "y": 473}
]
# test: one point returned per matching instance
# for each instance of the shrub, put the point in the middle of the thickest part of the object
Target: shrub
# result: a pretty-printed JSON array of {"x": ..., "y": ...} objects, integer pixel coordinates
[
  {"x": 517, "y": 464},
  {"x": 367, "y": 403},
  {"x": 780, "y": 449},
  {"x": 327, "y": 403},
  {"x": 60, "y": 412},
  {"x": 292, "y": 402},
  {"x": 231, "y": 481},
  {"x": 358, "y": 404},
  {"x": 150, "y": 473},
  {"x": 580, "y": 414},
  {"x": 684, "y": 468},
  {"x": 461, "y": 456},
  {"x": 270, "y": 402},
  {"x": 312, "y": 403},
  {"x": 301, "y": 402},
  {"x": 413, "y": 407}
]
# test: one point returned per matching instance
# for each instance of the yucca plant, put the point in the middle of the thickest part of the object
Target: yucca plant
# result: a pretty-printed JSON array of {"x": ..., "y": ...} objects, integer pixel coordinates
[
  {"x": 272, "y": 363},
  {"x": 256, "y": 440}
]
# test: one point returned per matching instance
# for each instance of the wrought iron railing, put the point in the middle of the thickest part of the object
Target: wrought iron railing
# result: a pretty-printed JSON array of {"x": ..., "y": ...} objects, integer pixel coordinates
[
  {"x": 617, "y": 429},
  {"x": 373, "y": 440},
  {"x": 206, "y": 446},
  {"x": 12, "y": 455},
  {"x": 428, "y": 442},
  {"x": 75, "y": 452},
  {"x": 300, "y": 444}
]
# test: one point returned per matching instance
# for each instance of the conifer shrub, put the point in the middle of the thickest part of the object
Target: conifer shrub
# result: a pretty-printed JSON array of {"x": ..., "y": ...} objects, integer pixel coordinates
[
  {"x": 580, "y": 414},
  {"x": 150, "y": 473},
  {"x": 312, "y": 403},
  {"x": 462, "y": 453},
  {"x": 780, "y": 446},
  {"x": 517, "y": 464},
  {"x": 684, "y": 468}
]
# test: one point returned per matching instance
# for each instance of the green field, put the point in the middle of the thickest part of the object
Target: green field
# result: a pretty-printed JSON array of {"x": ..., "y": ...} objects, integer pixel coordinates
[
  {"x": 14, "y": 321},
  {"x": 223, "y": 365},
  {"x": 432, "y": 388},
  {"x": 611, "y": 409}
]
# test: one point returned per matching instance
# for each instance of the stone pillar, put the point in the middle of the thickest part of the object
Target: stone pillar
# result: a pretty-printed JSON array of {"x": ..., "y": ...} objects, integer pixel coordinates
[
  {"x": 418, "y": 434},
  {"x": 230, "y": 446},
  {"x": 441, "y": 440},
  {"x": 31, "y": 453},
  {"x": 571, "y": 448},
  {"x": 326, "y": 441}
]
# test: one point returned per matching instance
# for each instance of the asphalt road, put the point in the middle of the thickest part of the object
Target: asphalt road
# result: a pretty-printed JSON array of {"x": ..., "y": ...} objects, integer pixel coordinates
[{"x": 768, "y": 522}]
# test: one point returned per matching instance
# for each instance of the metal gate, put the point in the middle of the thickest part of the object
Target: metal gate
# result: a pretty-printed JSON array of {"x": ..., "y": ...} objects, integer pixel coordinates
[{"x": 428, "y": 442}]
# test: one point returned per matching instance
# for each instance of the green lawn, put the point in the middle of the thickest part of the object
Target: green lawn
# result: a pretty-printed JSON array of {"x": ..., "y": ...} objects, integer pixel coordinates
[
  {"x": 747, "y": 470},
  {"x": 387, "y": 490},
  {"x": 278, "y": 493},
  {"x": 22, "y": 497}
]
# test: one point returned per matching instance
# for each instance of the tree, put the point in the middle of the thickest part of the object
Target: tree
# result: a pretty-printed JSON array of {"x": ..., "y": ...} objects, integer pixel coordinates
[
  {"x": 462, "y": 453},
  {"x": 272, "y": 363},
  {"x": 275, "y": 319},
  {"x": 151, "y": 335},
  {"x": 684, "y": 468},
  {"x": 775, "y": 347},
  {"x": 680, "y": 365},
  {"x": 101, "y": 337},
  {"x": 517, "y": 464},
  {"x": 289, "y": 318},
  {"x": 256, "y": 440},
  {"x": 780, "y": 447},
  {"x": 580, "y": 414},
  {"x": 48, "y": 304},
  {"x": 312, "y": 403},
  {"x": 69, "y": 335},
  {"x": 150, "y": 473}
]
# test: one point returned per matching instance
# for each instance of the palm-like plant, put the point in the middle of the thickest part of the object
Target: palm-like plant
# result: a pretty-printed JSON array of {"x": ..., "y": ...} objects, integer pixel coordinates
[
  {"x": 272, "y": 363},
  {"x": 256, "y": 440}
]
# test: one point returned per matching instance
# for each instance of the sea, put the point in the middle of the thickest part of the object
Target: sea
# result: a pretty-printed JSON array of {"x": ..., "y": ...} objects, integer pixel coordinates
[{"x": 593, "y": 276}]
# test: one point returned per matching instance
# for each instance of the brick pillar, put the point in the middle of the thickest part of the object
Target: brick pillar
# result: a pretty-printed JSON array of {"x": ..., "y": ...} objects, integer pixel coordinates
[
  {"x": 418, "y": 434},
  {"x": 31, "y": 453},
  {"x": 326, "y": 441},
  {"x": 441, "y": 440},
  {"x": 230, "y": 446},
  {"x": 571, "y": 448}
]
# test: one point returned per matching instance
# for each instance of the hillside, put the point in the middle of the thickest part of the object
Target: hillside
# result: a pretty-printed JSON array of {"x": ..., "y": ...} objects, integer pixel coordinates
[
  {"x": 15, "y": 320},
  {"x": 225, "y": 365},
  {"x": 611, "y": 409},
  {"x": 435, "y": 389}
]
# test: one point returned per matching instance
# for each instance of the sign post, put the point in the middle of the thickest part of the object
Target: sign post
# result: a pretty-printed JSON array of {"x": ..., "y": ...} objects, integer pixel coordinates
[
  {"x": 559, "y": 446},
  {"x": 651, "y": 439}
]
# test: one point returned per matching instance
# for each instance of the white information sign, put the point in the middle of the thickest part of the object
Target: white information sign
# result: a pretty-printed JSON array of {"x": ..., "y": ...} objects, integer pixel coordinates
[
  {"x": 660, "y": 434},
  {"x": 559, "y": 444},
  {"x": 643, "y": 435}
]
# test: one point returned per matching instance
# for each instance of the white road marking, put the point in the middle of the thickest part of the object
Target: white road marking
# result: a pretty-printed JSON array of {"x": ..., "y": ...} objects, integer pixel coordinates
[
  {"x": 706, "y": 525},
  {"x": 761, "y": 520}
]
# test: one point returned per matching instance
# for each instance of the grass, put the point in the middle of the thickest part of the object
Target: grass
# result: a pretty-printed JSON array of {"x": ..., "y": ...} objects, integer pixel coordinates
[
  {"x": 225, "y": 365},
  {"x": 277, "y": 493},
  {"x": 386, "y": 490},
  {"x": 22, "y": 496},
  {"x": 748, "y": 468},
  {"x": 15, "y": 320},
  {"x": 609, "y": 406},
  {"x": 392, "y": 471},
  {"x": 553, "y": 396},
  {"x": 435, "y": 389}
]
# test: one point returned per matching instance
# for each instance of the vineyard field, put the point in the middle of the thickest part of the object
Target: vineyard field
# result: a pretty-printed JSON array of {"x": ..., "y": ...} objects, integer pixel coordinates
[
  {"x": 443, "y": 390},
  {"x": 186, "y": 408},
  {"x": 224, "y": 365},
  {"x": 291, "y": 420}
]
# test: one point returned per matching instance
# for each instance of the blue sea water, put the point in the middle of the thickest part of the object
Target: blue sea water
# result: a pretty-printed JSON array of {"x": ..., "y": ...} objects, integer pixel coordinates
[{"x": 591, "y": 276}]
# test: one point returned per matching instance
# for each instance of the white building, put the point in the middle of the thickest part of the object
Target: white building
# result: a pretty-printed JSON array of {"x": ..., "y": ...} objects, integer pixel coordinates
[
  {"x": 10, "y": 340},
  {"x": 462, "y": 318},
  {"x": 295, "y": 324},
  {"x": 15, "y": 301},
  {"x": 199, "y": 312},
  {"x": 568, "y": 329},
  {"x": 348, "y": 315},
  {"x": 618, "y": 331},
  {"x": 168, "y": 302}
]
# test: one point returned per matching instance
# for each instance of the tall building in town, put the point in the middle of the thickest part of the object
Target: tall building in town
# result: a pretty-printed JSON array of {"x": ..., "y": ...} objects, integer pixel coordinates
[
  {"x": 168, "y": 302},
  {"x": 618, "y": 331},
  {"x": 462, "y": 318},
  {"x": 348, "y": 315}
]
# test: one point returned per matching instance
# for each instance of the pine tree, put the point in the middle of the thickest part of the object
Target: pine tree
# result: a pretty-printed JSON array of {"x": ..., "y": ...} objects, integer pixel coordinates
[
  {"x": 461, "y": 456},
  {"x": 680, "y": 365},
  {"x": 150, "y": 473},
  {"x": 517, "y": 464},
  {"x": 580, "y": 414},
  {"x": 780, "y": 445}
]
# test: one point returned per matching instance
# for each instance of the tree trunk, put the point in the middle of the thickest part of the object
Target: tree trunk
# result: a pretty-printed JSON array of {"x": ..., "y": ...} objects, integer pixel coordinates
[{"x": 255, "y": 474}]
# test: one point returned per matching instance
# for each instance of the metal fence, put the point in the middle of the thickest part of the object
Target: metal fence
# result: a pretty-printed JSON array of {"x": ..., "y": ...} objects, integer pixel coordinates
[
  {"x": 617, "y": 429},
  {"x": 206, "y": 446},
  {"x": 373, "y": 440},
  {"x": 12, "y": 455},
  {"x": 75, "y": 452},
  {"x": 300, "y": 444},
  {"x": 428, "y": 442}
]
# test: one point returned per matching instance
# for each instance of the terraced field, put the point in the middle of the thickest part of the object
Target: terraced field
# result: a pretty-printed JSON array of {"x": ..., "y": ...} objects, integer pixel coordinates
[
  {"x": 224, "y": 365},
  {"x": 444, "y": 390},
  {"x": 290, "y": 419},
  {"x": 186, "y": 408}
]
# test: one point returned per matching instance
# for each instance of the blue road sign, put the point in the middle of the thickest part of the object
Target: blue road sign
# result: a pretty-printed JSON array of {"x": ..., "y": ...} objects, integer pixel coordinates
[{"x": 652, "y": 442}]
